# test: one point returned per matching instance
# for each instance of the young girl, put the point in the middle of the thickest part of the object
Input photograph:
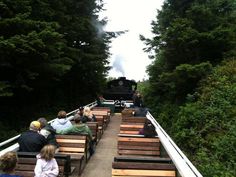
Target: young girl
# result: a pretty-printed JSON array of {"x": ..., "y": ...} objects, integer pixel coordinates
[
  {"x": 8, "y": 163},
  {"x": 46, "y": 165}
]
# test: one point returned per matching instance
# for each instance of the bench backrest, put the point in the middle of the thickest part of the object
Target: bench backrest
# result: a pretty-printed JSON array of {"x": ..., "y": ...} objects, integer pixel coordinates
[
  {"x": 102, "y": 109},
  {"x": 27, "y": 161},
  {"x": 75, "y": 145},
  {"x": 135, "y": 166},
  {"x": 130, "y": 128},
  {"x": 140, "y": 146},
  {"x": 133, "y": 119},
  {"x": 94, "y": 129}
]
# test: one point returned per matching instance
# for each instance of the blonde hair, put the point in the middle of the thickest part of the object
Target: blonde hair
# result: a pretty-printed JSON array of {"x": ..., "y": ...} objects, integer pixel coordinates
[
  {"x": 8, "y": 162},
  {"x": 87, "y": 112},
  {"x": 48, "y": 152}
]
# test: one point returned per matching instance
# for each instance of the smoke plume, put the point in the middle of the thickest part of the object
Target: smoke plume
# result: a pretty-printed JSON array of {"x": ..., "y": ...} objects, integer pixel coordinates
[{"x": 117, "y": 65}]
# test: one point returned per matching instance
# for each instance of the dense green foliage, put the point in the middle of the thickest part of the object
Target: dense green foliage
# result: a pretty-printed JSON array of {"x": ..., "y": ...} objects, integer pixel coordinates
[
  {"x": 209, "y": 123},
  {"x": 53, "y": 55},
  {"x": 190, "y": 91}
]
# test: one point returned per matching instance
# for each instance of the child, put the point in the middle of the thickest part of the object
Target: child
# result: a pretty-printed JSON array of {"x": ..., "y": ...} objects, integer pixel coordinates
[
  {"x": 8, "y": 163},
  {"x": 46, "y": 165}
]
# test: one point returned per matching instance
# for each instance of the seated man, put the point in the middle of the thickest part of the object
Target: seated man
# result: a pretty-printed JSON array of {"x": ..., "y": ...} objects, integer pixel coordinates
[
  {"x": 79, "y": 128},
  {"x": 48, "y": 132},
  {"x": 31, "y": 140}
]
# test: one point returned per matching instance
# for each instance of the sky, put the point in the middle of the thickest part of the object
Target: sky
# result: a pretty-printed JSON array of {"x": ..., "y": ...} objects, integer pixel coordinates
[{"x": 128, "y": 58}]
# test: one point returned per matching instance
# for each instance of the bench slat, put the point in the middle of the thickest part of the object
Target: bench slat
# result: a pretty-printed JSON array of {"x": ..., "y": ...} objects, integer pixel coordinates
[
  {"x": 154, "y": 148},
  {"x": 70, "y": 141},
  {"x": 137, "y": 152},
  {"x": 143, "y": 166},
  {"x": 152, "y": 140},
  {"x": 71, "y": 149},
  {"x": 156, "y": 173}
]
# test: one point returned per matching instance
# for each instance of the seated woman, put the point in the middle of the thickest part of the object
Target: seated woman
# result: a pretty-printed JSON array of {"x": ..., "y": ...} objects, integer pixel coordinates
[
  {"x": 61, "y": 122},
  {"x": 8, "y": 163},
  {"x": 88, "y": 116},
  {"x": 148, "y": 129}
]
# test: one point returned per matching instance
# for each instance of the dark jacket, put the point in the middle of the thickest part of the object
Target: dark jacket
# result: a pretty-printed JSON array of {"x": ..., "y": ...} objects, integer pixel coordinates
[
  {"x": 85, "y": 119},
  {"x": 138, "y": 102},
  {"x": 31, "y": 141},
  {"x": 51, "y": 139}
]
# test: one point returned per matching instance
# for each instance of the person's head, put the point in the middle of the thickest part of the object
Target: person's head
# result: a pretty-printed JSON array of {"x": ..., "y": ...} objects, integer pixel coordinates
[
  {"x": 61, "y": 114},
  {"x": 77, "y": 120},
  {"x": 87, "y": 111},
  {"x": 8, "y": 162},
  {"x": 48, "y": 152},
  {"x": 43, "y": 122},
  {"x": 35, "y": 126},
  {"x": 138, "y": 94},
  {"x": 81, "y": 111}
]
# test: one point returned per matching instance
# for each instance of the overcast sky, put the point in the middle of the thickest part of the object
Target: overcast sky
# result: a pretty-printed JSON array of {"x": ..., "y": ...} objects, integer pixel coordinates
[{"x": 128, "y": 58}]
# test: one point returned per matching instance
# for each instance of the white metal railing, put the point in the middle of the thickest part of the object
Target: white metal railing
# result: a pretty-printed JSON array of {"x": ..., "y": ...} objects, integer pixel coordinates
[
  {"x": 15, "y": 146},
  {"x": 182, "y": 163}
]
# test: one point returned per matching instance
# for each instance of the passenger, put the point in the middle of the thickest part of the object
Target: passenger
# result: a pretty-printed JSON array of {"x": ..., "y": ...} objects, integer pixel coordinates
[
  {"x": 140, "y": 111},
  {"x": 77, "y": 128},
  {"x": 48, "y": 132},
  {"x": 61, "y": 122},
  {"x": 148, "y": 129},
  {"x": 88, "y": 116},
  {"x": 138, "y": 102},
  {"x": 46, "y": 165},
  {"x": 8, "y": 163},
  {"x": 81, "y": 111},
  {"x": 80, "y": 128},
  {"x": 31, "y": 140},
  {"x": 100, "y": 100}
]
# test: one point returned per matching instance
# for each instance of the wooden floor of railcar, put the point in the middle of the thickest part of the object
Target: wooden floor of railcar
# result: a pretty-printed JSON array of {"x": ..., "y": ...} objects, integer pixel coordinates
[{"x": 100, "y": 164}]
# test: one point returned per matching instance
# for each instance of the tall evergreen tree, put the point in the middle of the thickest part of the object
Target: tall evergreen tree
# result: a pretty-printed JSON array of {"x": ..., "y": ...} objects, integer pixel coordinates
[{"x": 52, "y": 54}]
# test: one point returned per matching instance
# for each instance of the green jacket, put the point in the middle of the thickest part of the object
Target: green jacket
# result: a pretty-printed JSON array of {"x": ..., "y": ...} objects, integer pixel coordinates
[{"x": 77, "y": 129}]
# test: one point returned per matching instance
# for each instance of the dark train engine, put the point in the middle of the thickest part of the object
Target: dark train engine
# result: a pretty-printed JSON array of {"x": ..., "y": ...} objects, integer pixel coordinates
[{"x": 120, "y": 89}]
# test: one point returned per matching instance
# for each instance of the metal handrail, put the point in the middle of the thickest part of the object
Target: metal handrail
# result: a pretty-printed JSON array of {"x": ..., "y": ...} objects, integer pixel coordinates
[
  {"x": 70, "y": 116},
  {"x": 182, "y": 163}
]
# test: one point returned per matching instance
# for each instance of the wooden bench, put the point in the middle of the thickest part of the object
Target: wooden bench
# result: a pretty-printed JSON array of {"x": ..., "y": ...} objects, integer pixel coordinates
[
  {"x": 103, "y": 113},
  {"x": 138, "y": 146},
  {"x": 102, "y": 109},
  {"x": 127, "y": 112},
  {"x": 27, "y": 161},
  {"x": 94, "y": 129},
  {"x": 134, "y": 119},
  {"x": 130, "y": 128},
  {"x": 101, "y": 125},
  {"x": 76, "y": 146},
  {"x": 143, "y": 166},
  {"x": 132, "y": 125}
]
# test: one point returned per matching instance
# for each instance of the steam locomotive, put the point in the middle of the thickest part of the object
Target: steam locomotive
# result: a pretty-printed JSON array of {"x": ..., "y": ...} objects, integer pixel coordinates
[{"x": 120, "y": 89}]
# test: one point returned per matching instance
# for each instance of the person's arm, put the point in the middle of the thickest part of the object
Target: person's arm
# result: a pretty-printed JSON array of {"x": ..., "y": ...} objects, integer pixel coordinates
[
  {"x": 38, "y": 168},
  {"x": 89, "y": 132},
  {"x": 55, "y": 170}
]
